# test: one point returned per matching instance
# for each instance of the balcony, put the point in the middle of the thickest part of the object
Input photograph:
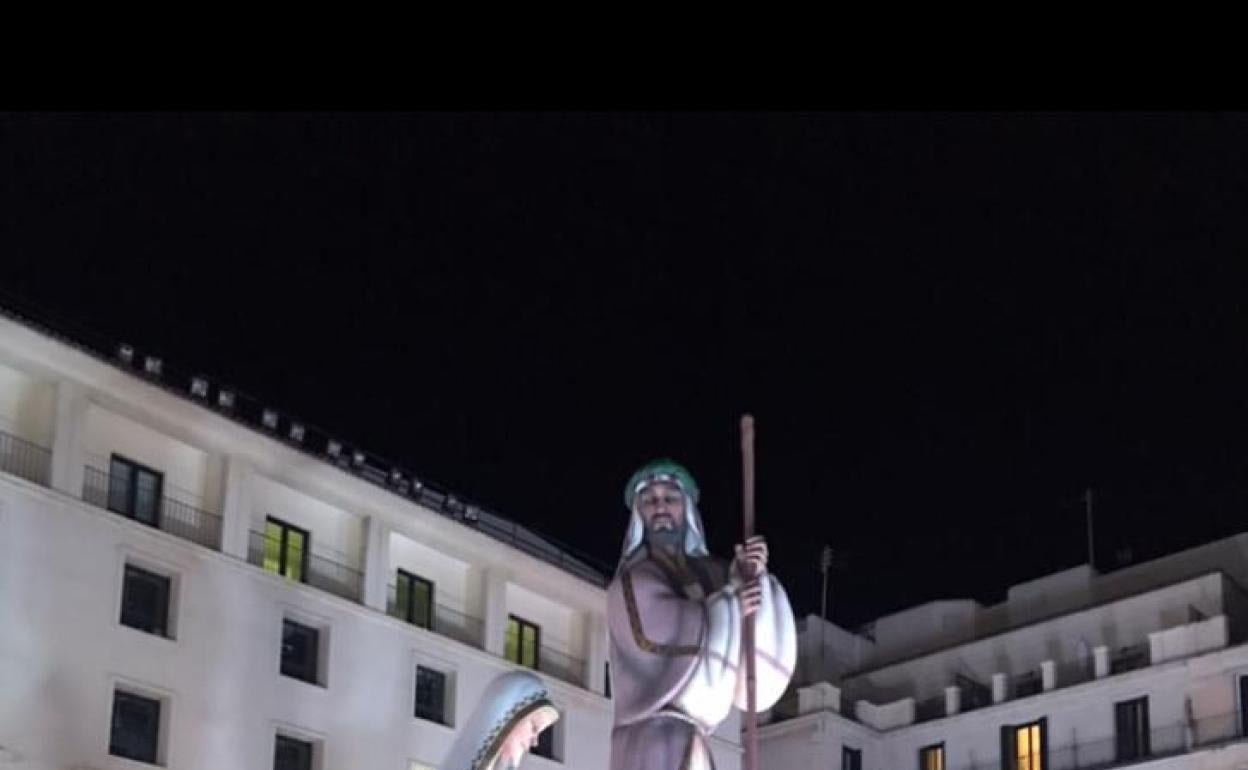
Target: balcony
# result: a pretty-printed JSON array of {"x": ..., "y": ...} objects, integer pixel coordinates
[
  {"x": 1184, "y": 737},
  {"x": 25, "y": 460},
  {"x": 447, "y": 622},
  {"x": 1129, "y": 659},
  {"x": 316, "y": 570},
  {"x": 172, "y": 516},
  {"x": 561, "y": 666}
]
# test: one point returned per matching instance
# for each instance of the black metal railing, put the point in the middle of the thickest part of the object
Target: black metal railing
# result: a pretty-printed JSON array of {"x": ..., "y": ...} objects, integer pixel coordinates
[
  {"x": 929, "y": 708},
  {"x": 173, "y": 516},
  {"x": 316, "y": 570},
  {"x": 561, "y": 665},
  {"x": 1129, "y": 658},
  {"x": 25, "y": 460},
  {"x": 552, "y": 661},
  {"x": 1026, "y": 684},
  {"x": 1073, "y": 672},
  {"x": 445, "y": 621},
  {"x": 1121, "y": 751}
]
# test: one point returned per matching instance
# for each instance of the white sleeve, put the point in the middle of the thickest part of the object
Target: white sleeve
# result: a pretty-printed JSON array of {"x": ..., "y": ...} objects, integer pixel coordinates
[
  {"x": 708, "y": 695},
  {"x": 775, "y": 648}
]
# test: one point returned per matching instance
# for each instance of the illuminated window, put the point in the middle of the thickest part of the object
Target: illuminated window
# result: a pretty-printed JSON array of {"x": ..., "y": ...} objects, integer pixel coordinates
[
  {"x": 932, "y": 757},
  {"x": 285, "y": 549},
  {"x": 522, "y": 642},
  {"x": 1023, "y": 746}
]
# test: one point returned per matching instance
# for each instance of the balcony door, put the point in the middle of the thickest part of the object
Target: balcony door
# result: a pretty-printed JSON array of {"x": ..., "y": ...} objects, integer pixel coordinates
[{"x": 134, "y": 490}]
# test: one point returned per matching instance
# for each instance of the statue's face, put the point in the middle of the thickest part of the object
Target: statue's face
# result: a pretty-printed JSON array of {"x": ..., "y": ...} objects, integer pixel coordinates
[
  {"x": 662, "y": 507},
  {"x": 522, "y": 738}
]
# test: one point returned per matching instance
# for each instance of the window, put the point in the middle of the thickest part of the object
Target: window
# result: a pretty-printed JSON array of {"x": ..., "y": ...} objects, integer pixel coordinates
[
  {"x": 300, "y": 651},
  {"x": 135, "y": 732},
  {"x": 522, "y": 642},
  {"x": 1023, "y": 747},
  {"x": 932, "y": 757},
  {"x": 1131, "y": 729},
  {"x": 292, "y": 754},
  {"x": 606, "y": 679},
  {"x": 145, "y": 601},
  {"x": 851, "y": 759},
  {"x": 134, "y": 490},
  {"x": 285, "y": 549},
  {"x": 413, "y": 599},
  {"x": 546, "y": 742},
  {"x": 1243, "y": 705},
  {"x": 431, "y": 695}
]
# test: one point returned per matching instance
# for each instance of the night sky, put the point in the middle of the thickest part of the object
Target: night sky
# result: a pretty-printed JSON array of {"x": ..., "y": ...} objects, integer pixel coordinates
[{"x": 947, "y": 325}]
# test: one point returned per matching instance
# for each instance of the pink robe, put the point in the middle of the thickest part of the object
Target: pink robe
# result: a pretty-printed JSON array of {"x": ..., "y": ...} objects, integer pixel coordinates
[{"x": 676, "y": 662}]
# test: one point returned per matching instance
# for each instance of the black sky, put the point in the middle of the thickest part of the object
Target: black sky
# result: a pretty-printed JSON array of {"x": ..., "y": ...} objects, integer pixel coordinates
[{"x": 946, "y": 325}]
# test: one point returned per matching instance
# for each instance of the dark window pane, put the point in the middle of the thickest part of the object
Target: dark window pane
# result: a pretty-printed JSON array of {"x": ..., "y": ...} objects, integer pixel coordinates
[
  {"x": 851, "y": 759},
  {"x": 299, "y": 651},
  {"x": 146, "y": 497},
  {"x": 145, "y": 601},
  {"x": 292, "y": 754},
  {"x": 1131, "y": 729},
  {"x": 430, "y": 695},
  {"x": 546, "y": 743},
  {"x": 119, "y": 480},
  {"x": 135, "y": 732}
]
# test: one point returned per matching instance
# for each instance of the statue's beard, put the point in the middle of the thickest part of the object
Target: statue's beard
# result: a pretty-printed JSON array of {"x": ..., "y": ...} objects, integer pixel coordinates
[{"x": 670, "y": 540}]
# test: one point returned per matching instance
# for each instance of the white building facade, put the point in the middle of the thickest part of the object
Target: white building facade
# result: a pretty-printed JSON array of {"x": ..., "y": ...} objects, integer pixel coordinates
[
  {"x": 1145, "y": 665},
  {"x": 187, "y": 586}
]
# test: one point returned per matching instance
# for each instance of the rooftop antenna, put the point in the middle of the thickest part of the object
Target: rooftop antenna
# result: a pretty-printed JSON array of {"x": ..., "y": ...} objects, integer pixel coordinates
[{"x": 825, "y": 565}]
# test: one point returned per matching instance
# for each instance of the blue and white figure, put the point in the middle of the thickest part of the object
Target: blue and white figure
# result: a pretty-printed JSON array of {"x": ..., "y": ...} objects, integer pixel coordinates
[{"x": 512, "y": 713}]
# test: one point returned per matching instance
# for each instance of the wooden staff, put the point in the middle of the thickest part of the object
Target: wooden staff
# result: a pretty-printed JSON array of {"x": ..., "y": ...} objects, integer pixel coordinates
[{"x": 747, "y": 623}]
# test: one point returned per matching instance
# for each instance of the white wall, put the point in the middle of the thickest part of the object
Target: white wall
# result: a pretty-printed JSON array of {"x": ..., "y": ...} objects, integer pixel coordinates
[
  {"x": 191, "y": 475},
  {"x": 62, "y": 647},
  {"x": 27, "y": 406}
]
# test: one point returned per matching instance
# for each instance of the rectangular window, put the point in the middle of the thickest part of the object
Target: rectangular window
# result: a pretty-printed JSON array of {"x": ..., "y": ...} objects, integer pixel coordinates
[
  {"x": 546, "y": 743},
  {"x": 145, "y": 601},
  {"x": 135, "y": 732},
  {"x": 1131, "y": 729},
  {"x": 285, "y": 549},
  {"x": 134, "y": 490},
  {"x": 932, "y": 757},
  {"x": 431, "y": 695},
  {"x": 292, "y": 754},
  {"x": 1243, "y": 705},
  {"x": 300, "y": 651},
  {"x": 851, "y": 759},
  {"x": 523, "y": 642},
  {"x": 1023, "y": 747},
  {"x": 413, "y": 599}
]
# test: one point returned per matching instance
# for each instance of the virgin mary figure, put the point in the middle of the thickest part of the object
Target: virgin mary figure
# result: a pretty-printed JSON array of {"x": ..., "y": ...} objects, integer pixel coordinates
[{"x": 512, "y": 713}]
